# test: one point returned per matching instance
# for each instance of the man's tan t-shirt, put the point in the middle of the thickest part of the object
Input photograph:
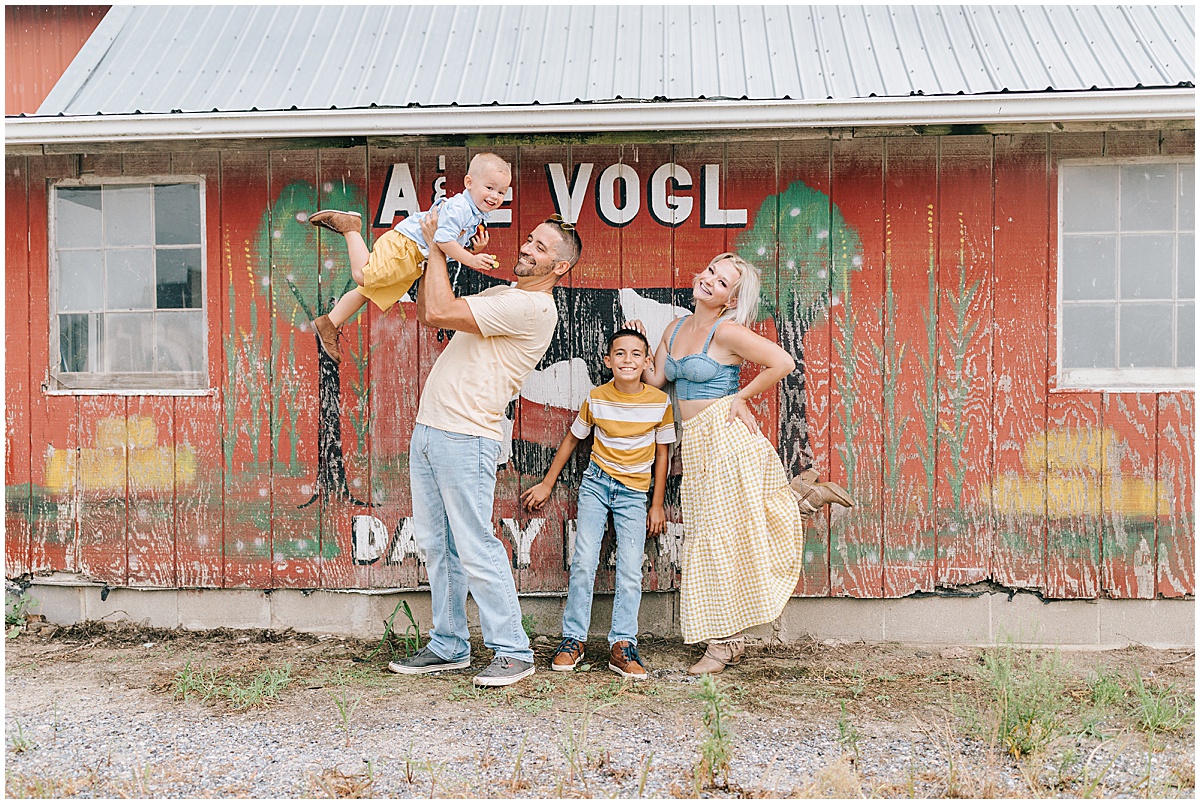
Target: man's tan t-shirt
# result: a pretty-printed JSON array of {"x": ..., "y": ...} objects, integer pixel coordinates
[{"x": 473, "y": 380}]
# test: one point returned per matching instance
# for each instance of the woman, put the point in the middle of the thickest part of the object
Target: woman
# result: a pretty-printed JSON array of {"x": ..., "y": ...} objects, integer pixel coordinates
[{"x": 743, "y": 521}]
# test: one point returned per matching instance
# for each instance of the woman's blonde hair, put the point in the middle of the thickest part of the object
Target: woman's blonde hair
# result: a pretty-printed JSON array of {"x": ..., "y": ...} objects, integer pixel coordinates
[{"x": 746, "y": 290}]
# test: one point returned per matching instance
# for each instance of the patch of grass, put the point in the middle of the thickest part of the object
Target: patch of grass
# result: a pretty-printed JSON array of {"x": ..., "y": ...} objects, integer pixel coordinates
[
  {"x": 40, "y": 785},
  {"x": 529, "y": 623},
  {"x": 18, "y": 741},
  {"x": 1159, "y": 709},
  {"x": 260, "y": 689},
  {"x": 716, "y": 750},
  {"x": 1027, "y": 697},
  {"x": 206, "y": 684},
  {"x": 333, "y": 783},
  {"x": 1105, "y": 688}
]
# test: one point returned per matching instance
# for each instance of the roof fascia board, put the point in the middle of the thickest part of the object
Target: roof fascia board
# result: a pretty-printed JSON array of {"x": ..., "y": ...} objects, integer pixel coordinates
[{"x": 1057, "y": 107}]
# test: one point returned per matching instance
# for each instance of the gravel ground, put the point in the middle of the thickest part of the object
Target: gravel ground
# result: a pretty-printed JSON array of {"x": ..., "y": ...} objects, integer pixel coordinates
[{"x": 91, "y": 712}]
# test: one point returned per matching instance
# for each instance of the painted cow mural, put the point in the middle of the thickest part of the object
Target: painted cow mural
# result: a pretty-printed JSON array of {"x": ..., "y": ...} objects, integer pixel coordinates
[{"x": 912, "y": 278}]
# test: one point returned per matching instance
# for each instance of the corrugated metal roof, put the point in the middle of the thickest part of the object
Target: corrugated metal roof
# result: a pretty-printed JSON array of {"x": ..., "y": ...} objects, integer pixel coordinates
[{"x": 240, "y": 58}]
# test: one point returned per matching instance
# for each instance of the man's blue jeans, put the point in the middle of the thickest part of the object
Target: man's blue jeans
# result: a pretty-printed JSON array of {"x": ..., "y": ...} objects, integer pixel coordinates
[
  {"x": 453, "y": 479},
  {"x": 599, "y": 493}
]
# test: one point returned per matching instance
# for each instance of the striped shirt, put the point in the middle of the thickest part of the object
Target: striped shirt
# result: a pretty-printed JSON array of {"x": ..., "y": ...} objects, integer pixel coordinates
[{"x": 628, "y": 426}]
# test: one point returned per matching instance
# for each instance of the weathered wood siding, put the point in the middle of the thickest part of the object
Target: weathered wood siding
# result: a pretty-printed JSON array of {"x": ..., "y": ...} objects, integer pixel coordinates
[{"x": 913, "y": 278}]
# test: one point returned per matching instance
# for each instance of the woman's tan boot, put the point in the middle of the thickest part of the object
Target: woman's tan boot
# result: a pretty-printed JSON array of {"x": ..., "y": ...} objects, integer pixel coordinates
[
  {"x": 812, "y": 496},
  {"x": 719, "y": 654}
]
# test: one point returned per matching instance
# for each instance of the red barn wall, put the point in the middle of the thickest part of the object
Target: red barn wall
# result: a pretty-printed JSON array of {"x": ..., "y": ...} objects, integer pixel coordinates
[
  {"x": 39, "y": 44},
  {"x": 912, "y": 277}
]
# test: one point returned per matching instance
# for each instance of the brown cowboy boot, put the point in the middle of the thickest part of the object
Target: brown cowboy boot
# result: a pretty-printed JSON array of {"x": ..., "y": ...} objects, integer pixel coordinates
[
  {"x": 812, "y": 496},
  {"x": 337, "y": 221},
  {"x": 719, "y": 654},
  {"x": 327, "y": 337}
]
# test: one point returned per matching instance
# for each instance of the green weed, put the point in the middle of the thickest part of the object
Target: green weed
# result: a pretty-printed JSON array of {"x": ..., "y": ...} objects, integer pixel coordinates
[
  {"x": 529, "y": 623},
  {"x": 206, "y": 684},
  {"x": 196, "y": 680},
  {"x": 1027, "y": 691},
  {"x": 18, "y": 742},
  {"x": 847, "y": 734},
  {"x": 399, "y": 646},
  {"x": 15, "y": 607},
  {"x": 1105, "y": 689},
  {"x": 1158, "y": 709},
  {"x": 262, "y": 687},
  {"x": 345, "y": 708},
  {"x": 716, "y": 750}
]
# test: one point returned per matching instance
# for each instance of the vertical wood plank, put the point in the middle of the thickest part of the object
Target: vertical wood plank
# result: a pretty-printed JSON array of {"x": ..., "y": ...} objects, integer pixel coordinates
[
  {"x": 303, "y": 471},
  {"x": 1176, "y": 475},
  {"x": 1074, "y": 463},
  {"x": 964, "y": 391},
  {"x": 18, "y": 492},
  {"x": 153, "y": 473},
  {"x": 103, "y": 488},
  {"x": 910, "y": 373},
  {"x": 54, "y": 419},
  {"x": 1074, "y": 466},
  {"x": 394, "y": 374},
  {"x": 1021, "y": 306},
  {"x": 246, "y": 382},
  {"x": 345, "y": 461},
  {"x": 199, "y": 501},
  {"x": 1128, "y": 499},
  {"x": 806, "y": 249},
  {"x": 856, "y": 388}
]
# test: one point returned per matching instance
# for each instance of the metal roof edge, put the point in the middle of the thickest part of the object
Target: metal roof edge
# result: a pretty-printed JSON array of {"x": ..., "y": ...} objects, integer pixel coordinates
[{"x": 1040, "y": 107}]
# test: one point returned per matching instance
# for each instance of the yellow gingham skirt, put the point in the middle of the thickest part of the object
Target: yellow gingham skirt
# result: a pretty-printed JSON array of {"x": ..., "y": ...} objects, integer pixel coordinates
[{"x": 743, "y": 531}]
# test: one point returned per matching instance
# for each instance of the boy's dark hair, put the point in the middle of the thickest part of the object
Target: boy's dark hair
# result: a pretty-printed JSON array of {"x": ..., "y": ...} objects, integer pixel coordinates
[{"x": 626, "y": 332}]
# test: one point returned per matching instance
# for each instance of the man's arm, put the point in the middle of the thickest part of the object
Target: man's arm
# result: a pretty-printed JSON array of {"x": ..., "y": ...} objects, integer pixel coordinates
[{"x": 437, "y": 306}]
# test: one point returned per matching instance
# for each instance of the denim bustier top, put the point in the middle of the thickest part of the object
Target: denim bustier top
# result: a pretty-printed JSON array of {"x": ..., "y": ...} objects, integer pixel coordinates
[{"x": 698, "y": 376}]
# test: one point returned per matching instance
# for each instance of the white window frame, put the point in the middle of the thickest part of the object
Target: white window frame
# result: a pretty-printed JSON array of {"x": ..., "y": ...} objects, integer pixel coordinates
[
  {"x": 175, "y": 383},
  {"x": 1114, "y": 379}
]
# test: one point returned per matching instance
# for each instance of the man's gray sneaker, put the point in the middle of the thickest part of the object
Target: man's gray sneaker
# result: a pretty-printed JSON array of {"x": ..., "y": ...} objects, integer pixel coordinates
[
  {"x": 503, "y": 670},
  {"x": 426, "y": 661}
]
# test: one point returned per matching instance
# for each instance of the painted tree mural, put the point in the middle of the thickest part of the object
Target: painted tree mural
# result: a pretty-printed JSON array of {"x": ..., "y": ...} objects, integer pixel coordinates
[
  {"x": 807, "y": 229},
  {"x": 287, "y": 243}
]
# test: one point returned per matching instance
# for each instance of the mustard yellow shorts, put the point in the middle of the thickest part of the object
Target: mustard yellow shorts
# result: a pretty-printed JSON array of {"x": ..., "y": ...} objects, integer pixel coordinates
[{"x": 394, "y": 265}]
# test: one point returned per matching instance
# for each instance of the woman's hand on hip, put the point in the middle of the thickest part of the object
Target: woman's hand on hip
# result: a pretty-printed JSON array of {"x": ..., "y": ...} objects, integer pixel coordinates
[{"x": 739, "y": 410}]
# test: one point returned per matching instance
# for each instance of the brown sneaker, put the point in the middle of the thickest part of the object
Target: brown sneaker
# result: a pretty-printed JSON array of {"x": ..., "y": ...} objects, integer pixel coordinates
[
  {"x": 327, "y": 337},
  {"x": 568, "y": 656},
  {"x": 624, "y": 661},
  {"x": 337, "y": 221}
]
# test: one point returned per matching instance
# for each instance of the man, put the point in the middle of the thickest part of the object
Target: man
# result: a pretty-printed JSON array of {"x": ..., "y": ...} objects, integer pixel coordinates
[{"x": 501, "y": 334}]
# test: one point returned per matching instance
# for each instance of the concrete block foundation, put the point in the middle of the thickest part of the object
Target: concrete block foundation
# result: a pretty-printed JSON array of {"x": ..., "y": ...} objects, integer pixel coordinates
[{"x": 989, "y": 618}]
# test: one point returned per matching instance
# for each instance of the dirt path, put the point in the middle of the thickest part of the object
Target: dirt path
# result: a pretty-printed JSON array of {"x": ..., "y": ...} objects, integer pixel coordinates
[{"x": 100, "y": 711}]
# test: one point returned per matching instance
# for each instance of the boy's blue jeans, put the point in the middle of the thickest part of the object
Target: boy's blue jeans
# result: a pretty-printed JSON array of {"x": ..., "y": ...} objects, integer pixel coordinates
[
  {"x": 453, "y": 480},
  {"x": 599, "y": 493}
]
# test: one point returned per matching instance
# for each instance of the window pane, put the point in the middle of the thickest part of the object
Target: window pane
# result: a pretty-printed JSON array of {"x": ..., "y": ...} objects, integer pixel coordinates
[
  {"x": 1187, "y": 266},
  {"x": 1146, "y": 336},
  {"x": 180, "y": 342},
  {"x": 73, "y": 342},
  {"x": 1089, "y": 195},
  {"x": 131, "y": 279},
  {"x": 1146, "y": 270},
  {"x": 179, "y": 278},
  {"x": 77, "y": 217},
  {"x": 127, "y": 215},
  {"x": 1187, "y": 197},
  {"x": 1147, "y": 197},
  {"x": 1186, "y": 335},
  {"x": 81, "y": 280},
  {"x": 1089, "y": 267},
  {"x": 177, "y": 214},
  {"x": 129, "y": 341},
  {"x": 1089, "y": 334}
]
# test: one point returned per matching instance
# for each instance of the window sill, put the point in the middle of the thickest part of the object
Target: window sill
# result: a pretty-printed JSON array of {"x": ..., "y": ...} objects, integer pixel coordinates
[{"x": 1123, "y": 381}]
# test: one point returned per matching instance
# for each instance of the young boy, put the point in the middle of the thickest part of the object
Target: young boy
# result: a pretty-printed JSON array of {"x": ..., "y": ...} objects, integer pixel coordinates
[
  {"x": 386, "y": 273},
  {"x": 634, "y": 427}
]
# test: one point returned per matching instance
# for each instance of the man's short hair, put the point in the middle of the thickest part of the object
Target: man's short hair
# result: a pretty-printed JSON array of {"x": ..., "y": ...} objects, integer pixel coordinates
[
  {"x": 626, "y": 332},
  {"x": 571, "y": 247},
  {"x": 487, "y": 161}
]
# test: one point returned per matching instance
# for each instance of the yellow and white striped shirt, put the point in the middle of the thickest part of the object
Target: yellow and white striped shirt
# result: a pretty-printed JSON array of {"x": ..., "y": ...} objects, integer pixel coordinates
[{"x": 628, "y": 426}]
